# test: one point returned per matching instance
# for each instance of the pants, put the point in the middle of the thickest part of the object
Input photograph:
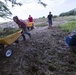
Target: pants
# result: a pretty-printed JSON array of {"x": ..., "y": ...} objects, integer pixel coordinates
[
  {"x": 50, "y": 22},
  {"x": 24, "y": 38}
]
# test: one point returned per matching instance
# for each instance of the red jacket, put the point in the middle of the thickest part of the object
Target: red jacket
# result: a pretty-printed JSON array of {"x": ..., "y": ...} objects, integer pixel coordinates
[{"x": 30, "y": 19}]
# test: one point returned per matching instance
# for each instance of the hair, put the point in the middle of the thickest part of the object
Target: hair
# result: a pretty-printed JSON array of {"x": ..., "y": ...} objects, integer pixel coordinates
[
  {"x": 50, "y": 12},
  {"x": 15, "y": 17}
]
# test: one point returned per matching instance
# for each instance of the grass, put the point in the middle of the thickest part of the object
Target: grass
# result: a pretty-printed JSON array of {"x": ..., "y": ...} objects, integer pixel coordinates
[
  {"x": 68, "y": 27},
  {"x": 72, "y": 19},
  {"x": 41, "y": 25}
]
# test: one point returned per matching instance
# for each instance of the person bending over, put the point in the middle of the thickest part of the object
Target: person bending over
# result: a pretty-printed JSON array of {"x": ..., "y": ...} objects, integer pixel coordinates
[{"x": 22, "y": 24}]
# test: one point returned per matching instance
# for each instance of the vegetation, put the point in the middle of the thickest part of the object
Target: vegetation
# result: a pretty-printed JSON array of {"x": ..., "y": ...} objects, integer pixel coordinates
[
  {"x": 69, "y": 13},
  {"x": 8, "y": 31},
  {"x": 72, "y": 19},
  {"x": 14, "y": 2},
  {"x": 4, "y": 11},
  {"x": 41, "y": 25},
  {"x": 68, "y": 27},
  {"x": 55, "y": 16}
]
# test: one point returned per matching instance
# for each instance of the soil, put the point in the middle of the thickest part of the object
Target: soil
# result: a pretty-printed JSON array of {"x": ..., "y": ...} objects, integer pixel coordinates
[{"x": 45, "y": 53}]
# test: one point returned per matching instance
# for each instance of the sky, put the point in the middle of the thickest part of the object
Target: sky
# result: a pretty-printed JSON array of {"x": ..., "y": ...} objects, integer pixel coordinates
[{"x": 31, "y": 7}]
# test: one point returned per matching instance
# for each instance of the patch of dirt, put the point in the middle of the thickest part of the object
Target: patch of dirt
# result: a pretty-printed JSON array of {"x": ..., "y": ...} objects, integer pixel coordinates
[{"x": 44, "y": 54}]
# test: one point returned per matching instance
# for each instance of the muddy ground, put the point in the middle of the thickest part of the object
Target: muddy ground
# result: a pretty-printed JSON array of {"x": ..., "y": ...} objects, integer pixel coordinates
[{"x": 45, "y": 53}]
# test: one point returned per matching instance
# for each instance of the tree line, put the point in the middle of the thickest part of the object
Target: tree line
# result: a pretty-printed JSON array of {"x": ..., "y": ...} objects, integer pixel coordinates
[{"x": 69, "y": 13}]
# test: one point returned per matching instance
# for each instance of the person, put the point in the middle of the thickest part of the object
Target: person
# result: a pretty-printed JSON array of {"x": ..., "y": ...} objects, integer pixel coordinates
[
  {"x": 22, "y": 24},
  {"x": 71, "y": 40},
  {"x": 49, "y": 17},
  {"x": 30, "y": 19}
]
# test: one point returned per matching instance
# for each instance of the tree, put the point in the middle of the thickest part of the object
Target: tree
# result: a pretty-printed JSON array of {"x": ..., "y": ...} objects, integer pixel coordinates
[
  {"x": 69, "y": 13},
  {"x": 6, "y": 13},
  {"x": 14, "y": 2}
]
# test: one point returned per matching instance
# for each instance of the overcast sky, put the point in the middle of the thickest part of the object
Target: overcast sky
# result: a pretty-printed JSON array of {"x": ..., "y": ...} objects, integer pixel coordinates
[{"x": 36, "y": 10}]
